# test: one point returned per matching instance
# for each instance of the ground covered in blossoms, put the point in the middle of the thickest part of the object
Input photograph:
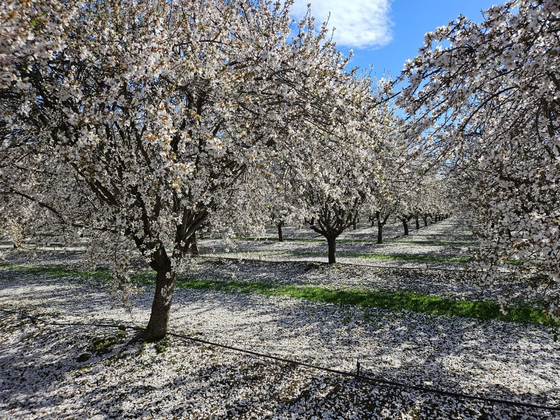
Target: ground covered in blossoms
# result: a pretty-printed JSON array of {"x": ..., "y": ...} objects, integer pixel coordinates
[{"x": 64, "y": 351}]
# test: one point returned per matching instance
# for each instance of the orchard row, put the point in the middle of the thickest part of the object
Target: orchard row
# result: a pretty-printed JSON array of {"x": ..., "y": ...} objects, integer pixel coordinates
[{"x": 139, "y": 123}]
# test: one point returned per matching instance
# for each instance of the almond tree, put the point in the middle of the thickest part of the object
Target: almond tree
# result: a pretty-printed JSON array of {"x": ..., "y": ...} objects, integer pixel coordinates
[
  {"x": 144, "y": 116},
  {"x": 490, "y": 92},
  {"x": 379, "y": 210},
  {"x": 332, "y": 184},
  {"x": 332, "y": 190},
  {"x": 397, "y": 180}
]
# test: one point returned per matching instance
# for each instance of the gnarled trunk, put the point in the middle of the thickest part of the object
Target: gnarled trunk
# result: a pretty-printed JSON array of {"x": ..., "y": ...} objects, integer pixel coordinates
[{"x": 161, "y": 305}]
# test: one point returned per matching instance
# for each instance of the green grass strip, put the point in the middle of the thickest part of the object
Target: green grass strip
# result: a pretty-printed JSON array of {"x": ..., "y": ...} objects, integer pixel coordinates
[
  {"x": 442, "y": 243},
  {"x": 60, "y": 271},
  {"x": 400, "y": 301},
  {"x": 408, "y": 257}
]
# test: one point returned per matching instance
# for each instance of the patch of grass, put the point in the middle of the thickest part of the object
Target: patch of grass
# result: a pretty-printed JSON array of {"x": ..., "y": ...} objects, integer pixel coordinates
[
  {"x": 393, "y": 257},
  {"x": 161, "y": 345},
  {"x": 442, "y": 243},
  {"x": 105, "y": 344},
  {"x": 400, "y": 301},
  {"x": 61, "y": 271},
  {"x": 408, "y": 257},
  {"x": 145, "y": 277}
]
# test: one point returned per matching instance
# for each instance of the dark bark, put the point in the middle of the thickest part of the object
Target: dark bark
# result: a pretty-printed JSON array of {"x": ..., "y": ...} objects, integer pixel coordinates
[
  {"x": 331, "y": 240},
  {"x": 331, "y": 222},
  {"x": 161, "y": 305},
  {"x": 416, "y": 218},
  {"x": 166, "y": 275},
  {"x": 280, "y": 235},
  {"x": 380, "y": 224},
  {"x": 194, "y": 246},
  {"x": 425, "y": 218},
  {"x": 405, "y": 225}
]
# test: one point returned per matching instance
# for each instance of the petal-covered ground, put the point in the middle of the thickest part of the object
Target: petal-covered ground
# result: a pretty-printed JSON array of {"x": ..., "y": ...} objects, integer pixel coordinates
[{"x": 62, "y": 354}]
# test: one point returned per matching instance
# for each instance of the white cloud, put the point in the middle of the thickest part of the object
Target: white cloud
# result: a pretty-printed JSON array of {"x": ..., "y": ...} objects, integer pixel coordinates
[{"x": 358, "y": 23}]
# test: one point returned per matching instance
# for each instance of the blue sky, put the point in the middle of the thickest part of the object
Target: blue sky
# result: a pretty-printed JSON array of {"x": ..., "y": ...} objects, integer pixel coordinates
[{"x": 385, "y": 33}]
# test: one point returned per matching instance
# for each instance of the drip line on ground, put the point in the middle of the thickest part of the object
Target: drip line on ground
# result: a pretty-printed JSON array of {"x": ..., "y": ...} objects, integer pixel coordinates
[{"x": 356, "y": 375}]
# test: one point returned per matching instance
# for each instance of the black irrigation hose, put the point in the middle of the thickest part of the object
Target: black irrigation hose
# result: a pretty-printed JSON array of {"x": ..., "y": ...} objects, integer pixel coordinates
[
  {"x": 370, "y": 379},
  {"x": 308, "y": 365}
]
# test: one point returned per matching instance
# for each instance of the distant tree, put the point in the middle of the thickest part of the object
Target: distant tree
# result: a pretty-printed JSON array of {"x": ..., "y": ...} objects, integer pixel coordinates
[
  {"x": 332, "y": 189},
  {"x": 327, "y": 178},
  {"x": 379, "y": 213},
  {"x": 333, "y": 184},
  {"x": 398, "y": 180}
]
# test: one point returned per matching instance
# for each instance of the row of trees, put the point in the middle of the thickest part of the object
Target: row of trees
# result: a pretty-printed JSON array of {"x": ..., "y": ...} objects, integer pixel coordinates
[
  {"x": 490, "y": 95},
  {"x": 138, "y": 123},
  {"x": 330, "y": 202}
]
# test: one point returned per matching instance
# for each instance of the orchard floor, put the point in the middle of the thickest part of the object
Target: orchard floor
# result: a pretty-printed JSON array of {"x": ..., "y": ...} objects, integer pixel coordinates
[{"x": 50, "y": 325}]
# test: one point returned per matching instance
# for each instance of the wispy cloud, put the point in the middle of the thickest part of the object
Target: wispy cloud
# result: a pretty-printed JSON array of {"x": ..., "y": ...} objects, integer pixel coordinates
[{"x": 359, "y": 23}]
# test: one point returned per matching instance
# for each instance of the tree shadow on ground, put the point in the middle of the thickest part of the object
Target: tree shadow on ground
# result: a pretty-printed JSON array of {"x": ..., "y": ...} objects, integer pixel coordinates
[
  {"x": 452, "y": 354},
  {"x": 201, "y": 381}
]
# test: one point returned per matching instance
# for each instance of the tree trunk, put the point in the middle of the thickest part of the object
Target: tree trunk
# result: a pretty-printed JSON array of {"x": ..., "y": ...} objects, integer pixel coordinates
[
  {"x": 331, "y": 240},
  {"x": 280, "y": 236},
  {"x": 425, "y": 218},
  {"x": 161, "y": 305},
  {"x": 416, "y": 217},
  {"x": 379, "y": 231},
  {"x": 405, "y": 225}
]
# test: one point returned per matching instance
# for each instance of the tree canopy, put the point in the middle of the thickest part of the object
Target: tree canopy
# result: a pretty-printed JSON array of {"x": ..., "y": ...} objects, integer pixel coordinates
[
  {"x": 135, "y": 121},
  {"x": 488, "y": 93}
]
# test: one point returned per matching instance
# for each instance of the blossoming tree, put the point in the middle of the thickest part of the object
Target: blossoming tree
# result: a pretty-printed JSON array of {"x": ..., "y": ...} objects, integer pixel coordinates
[
  {"x": 490, "y": 92},
  {"x": 134, "y": 121},
  {"x": 335, "y": 177}
]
